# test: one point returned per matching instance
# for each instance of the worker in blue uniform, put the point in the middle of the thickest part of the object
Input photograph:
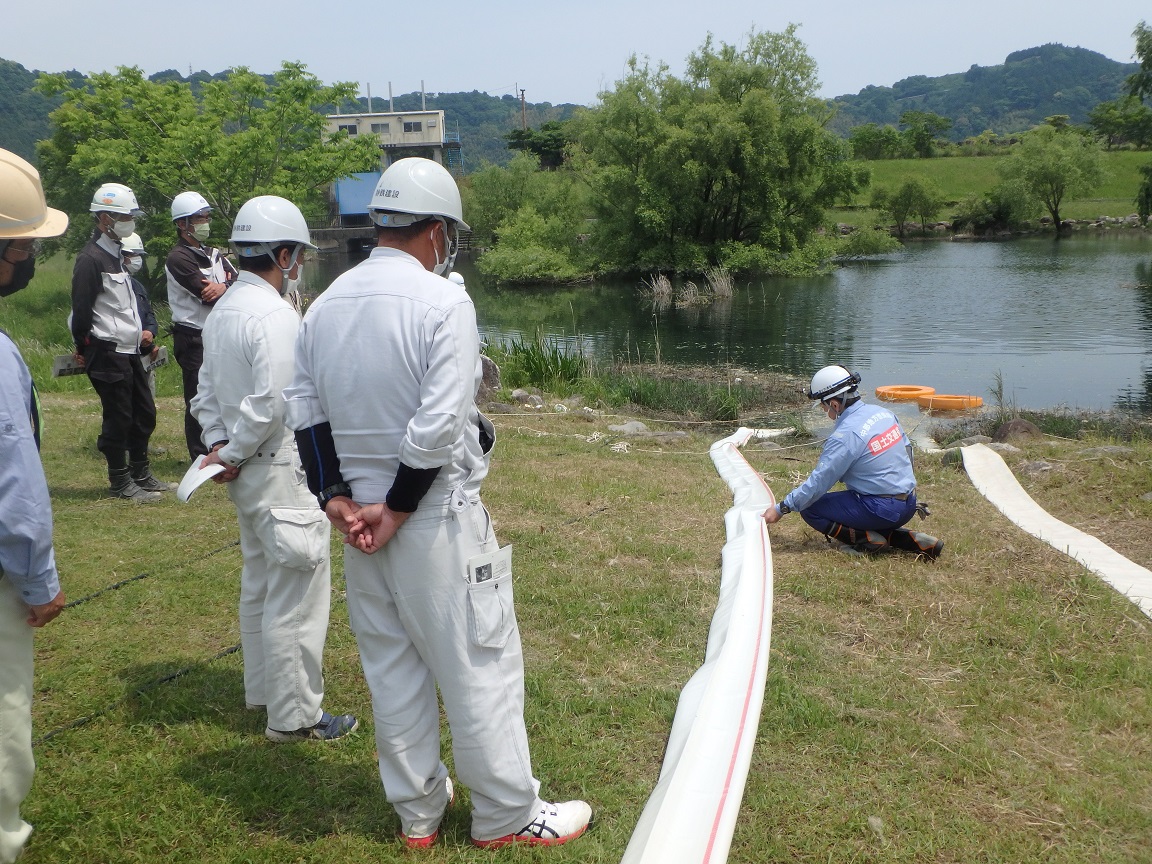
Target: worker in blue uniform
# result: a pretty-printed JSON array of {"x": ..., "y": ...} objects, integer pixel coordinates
[{"x": 870, "y": 454}]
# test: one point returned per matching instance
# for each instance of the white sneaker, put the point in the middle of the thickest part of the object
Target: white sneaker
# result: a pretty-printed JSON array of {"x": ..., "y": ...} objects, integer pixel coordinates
[{"x": 553, "y": 825}]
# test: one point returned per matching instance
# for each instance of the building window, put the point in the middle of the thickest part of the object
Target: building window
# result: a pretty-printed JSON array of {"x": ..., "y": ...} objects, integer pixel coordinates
[
  {"x": 350, "y": 129},
  {"x": 380, "y": 128},
  {"x": 413, "y": 126}
]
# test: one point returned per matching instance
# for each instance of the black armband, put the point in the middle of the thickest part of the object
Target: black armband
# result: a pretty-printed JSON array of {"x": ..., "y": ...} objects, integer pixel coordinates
[
  {"x": 411, "y": 484},
  {"x": 319, "y": 458}
]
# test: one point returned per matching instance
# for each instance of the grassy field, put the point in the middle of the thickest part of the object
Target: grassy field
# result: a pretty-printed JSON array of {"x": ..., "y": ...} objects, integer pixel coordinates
[
  {"x": 957, "y": 177},
  {"x": 993, "y": 706}
]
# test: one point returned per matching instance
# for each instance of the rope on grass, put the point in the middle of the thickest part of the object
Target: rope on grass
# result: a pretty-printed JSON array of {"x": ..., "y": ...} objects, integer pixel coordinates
[
  {"x": 116, "y": 586},
  {"x": 139, "y": 691}
]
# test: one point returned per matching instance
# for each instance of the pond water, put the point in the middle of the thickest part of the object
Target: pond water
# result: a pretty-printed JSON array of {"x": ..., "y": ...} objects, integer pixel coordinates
[{"x": 1061, "y": 323}]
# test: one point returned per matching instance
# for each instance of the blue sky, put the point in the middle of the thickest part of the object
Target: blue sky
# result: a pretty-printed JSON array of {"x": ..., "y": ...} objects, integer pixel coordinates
[{"x": 555, "y": 52}]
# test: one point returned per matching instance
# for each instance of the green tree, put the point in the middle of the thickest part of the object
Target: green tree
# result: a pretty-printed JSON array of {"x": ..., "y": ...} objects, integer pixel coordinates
[
  {"x": 912, "y": 200},
  {"x": 1122, "y": 121},
  {"x": 1144, "y": 194},
  {"x": 688, "y": 172},
  {"x": 547, "y": 143},
  {"x": 238, "y": 137},
  {"x": 1007, "y": 207},
  {"x": 1140, "y": 82},
  {"x": 872, "y": 141},
  {"x": 921, "y": 129},
  {"x": 1053, "y": 165},
  {"x": 532, "y": 222}
]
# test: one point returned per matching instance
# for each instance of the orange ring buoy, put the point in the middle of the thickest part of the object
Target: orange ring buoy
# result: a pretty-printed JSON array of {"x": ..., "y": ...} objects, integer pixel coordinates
[
  {"x": 903, "y": 392},
  {"x": 949, "y": 402}
]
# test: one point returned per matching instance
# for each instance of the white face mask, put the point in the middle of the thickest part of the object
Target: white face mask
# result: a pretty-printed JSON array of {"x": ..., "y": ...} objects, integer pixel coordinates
[
  {"x": 292, "y": 286},
  {"x": 124, "y": 229},
  {"x": 133, "y": 263},
  {"x": 201, "y": 231},
  {"x": 441, "y": 268}
]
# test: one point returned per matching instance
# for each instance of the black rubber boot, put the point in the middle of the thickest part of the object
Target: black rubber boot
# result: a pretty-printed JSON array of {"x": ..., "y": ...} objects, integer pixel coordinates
[
  {"x": 860, "y": 540},
  {"x": 123, "y": 486},
  {"x": 915, "y": 541},
  {"x": 143, "y": 477}
]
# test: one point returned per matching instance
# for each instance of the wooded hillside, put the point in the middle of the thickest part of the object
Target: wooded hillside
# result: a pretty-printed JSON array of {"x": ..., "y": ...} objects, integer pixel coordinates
[{"x": 1012, "y": 97}]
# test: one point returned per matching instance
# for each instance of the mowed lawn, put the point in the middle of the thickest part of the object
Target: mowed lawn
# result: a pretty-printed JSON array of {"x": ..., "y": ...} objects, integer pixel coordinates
[{"x": 958, "y": 177}]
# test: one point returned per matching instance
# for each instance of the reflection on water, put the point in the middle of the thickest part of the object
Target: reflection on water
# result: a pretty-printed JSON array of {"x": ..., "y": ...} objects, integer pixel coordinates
[{"x": 1063, "y": 323}]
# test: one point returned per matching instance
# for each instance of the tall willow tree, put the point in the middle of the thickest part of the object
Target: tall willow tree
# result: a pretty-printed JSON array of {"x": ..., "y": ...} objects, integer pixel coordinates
[{"x": 730, "y": 165}]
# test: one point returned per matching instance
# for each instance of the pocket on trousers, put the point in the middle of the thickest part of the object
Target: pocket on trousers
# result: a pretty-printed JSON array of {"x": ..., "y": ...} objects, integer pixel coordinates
[
  {"x": 482, "y": 525},
  {"x": 491, "y": 615},
  {"x": 300, "y": 536}
]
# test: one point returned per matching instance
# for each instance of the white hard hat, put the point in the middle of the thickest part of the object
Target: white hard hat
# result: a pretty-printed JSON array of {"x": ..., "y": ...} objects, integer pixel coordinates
[
  {"x": 189, "y": 204},
  {"x": 132, "y": 245},
  {"x": 23, "y": 211},
  {"x": 115, "y": 198},
  {"x": 415, "y": 187},
  {"x": 832, "y": 381},
  {"x": 268, "y": 221}
]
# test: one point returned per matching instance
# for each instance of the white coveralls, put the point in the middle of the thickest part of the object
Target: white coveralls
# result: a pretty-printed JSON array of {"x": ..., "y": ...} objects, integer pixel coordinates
[
  {"x": 389, "y": 356},
  {"x": 285, "y": 584}
]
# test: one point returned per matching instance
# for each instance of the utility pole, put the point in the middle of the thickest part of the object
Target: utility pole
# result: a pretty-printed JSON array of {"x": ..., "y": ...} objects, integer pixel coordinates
[{"x": 523, "y": 115}]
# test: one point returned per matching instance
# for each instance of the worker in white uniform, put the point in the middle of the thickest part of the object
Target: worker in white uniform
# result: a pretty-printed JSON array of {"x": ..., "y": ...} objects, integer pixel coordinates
[
  {"x": 387, "y": 368},
  {"x": 285, "y": 584}
]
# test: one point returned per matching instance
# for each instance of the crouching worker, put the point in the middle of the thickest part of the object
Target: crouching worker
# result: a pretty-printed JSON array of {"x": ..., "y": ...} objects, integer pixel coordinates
[
  {"x": 871, "y": 455},
  {"x": 285, "y": 584}
]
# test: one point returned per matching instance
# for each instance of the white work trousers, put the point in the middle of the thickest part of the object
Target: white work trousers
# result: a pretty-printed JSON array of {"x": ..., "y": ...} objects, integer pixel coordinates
[
  {"x": 285, "y": 590},
  {"x": 16, "y": 764},
  {"x": 409, "y": 607}
]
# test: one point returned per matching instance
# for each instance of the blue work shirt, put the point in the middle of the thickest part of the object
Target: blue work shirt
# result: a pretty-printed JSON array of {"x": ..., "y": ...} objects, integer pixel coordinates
[
  {"x": 26, "y": 556},
  {"x": 867, "y": 450}
]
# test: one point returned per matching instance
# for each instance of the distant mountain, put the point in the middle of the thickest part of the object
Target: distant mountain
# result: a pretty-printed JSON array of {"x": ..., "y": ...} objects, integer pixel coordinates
[
  {"x": 1017, "y": 95},
  {"x": 23, "y": 111},
  {"x": 481, "y": 120}
]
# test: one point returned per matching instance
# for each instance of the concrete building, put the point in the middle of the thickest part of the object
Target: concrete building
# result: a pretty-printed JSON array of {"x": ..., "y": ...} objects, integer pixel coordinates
[{"x": 400, "y": 134}]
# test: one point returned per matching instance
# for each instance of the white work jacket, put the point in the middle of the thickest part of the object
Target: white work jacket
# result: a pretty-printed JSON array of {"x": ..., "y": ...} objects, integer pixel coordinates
[
  {"x": 389, "y": 356},
  {"x": 248, "y": 345}
]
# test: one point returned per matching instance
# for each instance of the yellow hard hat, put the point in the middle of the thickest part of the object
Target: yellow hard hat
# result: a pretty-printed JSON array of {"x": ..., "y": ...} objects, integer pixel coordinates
[{"x": 23, "y": 211}]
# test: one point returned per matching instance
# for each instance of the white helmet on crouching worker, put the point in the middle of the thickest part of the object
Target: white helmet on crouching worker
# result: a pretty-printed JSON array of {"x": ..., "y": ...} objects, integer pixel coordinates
[
  {"x": 414, "y": 190},
  {"x": 832, "y": 382},
  {"x": 267, "y": 222}
]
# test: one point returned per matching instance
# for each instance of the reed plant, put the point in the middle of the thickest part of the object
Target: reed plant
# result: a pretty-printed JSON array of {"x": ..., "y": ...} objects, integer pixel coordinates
[
  {"x": 540, "y": 362},
  {"x": 657, "y": 287},
  {"x": 720, "y": 283}
]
